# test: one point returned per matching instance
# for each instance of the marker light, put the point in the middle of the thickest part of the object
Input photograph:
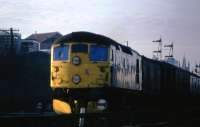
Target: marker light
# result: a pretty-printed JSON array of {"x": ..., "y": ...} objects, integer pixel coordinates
[
  {"x": 76, "y": 60},
  {"x": 101, "y": 104},
  {"x": 76, "y": 79}
]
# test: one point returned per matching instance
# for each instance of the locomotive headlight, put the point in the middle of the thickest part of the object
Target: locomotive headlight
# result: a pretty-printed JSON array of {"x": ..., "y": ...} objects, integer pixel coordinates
[
  {"x": 76, "y": 60},
  {"x": 76, "y": 79}
]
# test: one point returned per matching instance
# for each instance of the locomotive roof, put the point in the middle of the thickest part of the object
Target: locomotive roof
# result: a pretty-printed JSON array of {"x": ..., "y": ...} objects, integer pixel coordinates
[{"x": 82, "y": 36}]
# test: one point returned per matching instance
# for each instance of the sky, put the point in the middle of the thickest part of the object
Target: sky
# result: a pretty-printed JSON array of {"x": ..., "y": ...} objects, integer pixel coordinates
[{"x": 136, "y": 21}]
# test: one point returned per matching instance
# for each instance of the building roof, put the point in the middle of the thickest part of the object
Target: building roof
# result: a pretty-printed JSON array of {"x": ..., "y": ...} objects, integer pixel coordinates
[
  {"x": 4, "y": 33},
  {"x": 41, "y": 37}
]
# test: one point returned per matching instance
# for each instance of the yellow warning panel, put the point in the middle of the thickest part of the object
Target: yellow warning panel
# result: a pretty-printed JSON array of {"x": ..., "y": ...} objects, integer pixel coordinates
[{"x": 61, "y": 107}]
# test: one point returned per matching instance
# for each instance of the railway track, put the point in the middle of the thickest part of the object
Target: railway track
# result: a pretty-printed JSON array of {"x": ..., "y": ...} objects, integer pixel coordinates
[{"x": 120, "y": 119}]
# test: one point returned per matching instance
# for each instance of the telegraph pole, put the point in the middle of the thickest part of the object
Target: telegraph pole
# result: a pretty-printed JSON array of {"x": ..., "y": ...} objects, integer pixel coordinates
[
  {"x": 12, "y": 44},
  {"x": 12, "y": 47},
  {"x": 9, "y": 64}
]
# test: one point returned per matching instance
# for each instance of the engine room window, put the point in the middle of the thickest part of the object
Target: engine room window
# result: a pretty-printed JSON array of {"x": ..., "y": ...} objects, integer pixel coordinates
[
  {"x": 61, "y": 53},
  {"x": 79, "y": 48},
  {"x": 98, "y": 53},
  {"x": 137, "y": 71},
  {"x": 112, "y": 55}
]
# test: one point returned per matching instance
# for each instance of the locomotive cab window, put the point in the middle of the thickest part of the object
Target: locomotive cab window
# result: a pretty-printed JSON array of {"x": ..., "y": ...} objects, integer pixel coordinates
[
  {"x": 83, "y": 48},
  {"x": 98, "y": 53},
  {"x": 61, "y": 53}
]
